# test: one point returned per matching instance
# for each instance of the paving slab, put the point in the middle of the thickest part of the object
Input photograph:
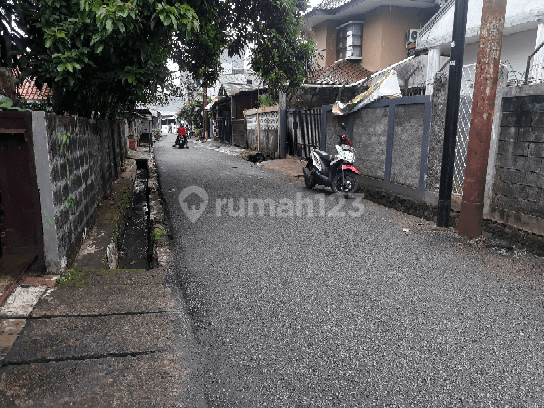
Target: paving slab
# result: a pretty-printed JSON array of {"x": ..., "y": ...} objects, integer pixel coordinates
[
  {"x": 36, "y": 281},
  {"x": 104, "y": 300},
  {"x": 154, "y": 380},
  {"x": 63, "y": 338},
  {"x": 9, "y": 330},
  {"x": 21, "y": 301}
]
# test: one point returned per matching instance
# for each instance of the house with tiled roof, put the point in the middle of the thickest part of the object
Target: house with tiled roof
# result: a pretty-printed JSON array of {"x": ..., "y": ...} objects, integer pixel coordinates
[
  {"x": 357, "y": 38},
  {"x": 237, "y": 89},
  {"x": 26, "y": 89},
  {"x": 371, "y": 32}
]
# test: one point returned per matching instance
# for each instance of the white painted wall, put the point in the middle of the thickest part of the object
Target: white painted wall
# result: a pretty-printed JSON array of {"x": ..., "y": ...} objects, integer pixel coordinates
[
  {"x": 538, "y": 59},
  {"x": 519, "y": 38},
  {"x": 515, "y": 50},
  {"x": 521, "y": 15}
]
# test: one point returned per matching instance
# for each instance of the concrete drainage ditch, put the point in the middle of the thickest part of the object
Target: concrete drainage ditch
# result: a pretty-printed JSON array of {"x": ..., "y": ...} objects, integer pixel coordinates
[
  {"x": 129, "y": 230},
  {"x": 134, "y": 247}
]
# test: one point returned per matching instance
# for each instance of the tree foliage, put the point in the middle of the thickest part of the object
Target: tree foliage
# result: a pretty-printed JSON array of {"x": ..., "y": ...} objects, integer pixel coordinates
[
  {"x": 280, "y": 56},
  {"x": 271, "y": 29},
  {"x": 191, "y": 112},
  {"x": 102, "y": 57}
]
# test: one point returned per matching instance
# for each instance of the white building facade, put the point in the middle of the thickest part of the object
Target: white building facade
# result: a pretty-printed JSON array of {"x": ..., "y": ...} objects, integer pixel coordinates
[{"x": 523, "y": 33}]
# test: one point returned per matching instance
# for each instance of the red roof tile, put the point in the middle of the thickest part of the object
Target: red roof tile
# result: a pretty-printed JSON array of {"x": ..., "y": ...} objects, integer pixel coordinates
[
  {"x": 343, "y": 72},
  {"x": 29, "y": 91}
]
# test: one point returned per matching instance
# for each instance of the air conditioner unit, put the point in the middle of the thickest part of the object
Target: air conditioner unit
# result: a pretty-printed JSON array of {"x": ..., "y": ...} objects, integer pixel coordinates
[{"x": 411, "y": 36}]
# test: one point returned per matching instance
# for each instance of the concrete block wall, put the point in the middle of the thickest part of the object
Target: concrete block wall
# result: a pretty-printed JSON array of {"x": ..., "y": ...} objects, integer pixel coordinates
[
  {"x": 83, "y": 157},
  {"x": 515, "y": 180},
  {"x": 252, "y": 138},
  {"x": 370, "y": 129},
  {"x": 518, "y": 185},
  {"x": 407, "y": 140},
  {"x": 333, "y": 128},
  {"x": 375, "y": 135},
  {"x": 269, "y": 132}
]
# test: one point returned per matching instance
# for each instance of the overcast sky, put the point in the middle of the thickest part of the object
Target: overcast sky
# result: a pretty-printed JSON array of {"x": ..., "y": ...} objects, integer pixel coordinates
[{"x": 314, "y": 3}]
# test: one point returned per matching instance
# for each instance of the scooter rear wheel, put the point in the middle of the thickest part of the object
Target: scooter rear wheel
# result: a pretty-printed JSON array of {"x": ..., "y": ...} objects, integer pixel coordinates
[{"x": 350, "y": 184}]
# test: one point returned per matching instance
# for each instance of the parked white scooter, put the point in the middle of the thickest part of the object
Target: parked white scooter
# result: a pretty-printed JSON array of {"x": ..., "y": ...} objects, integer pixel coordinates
[{"x": 335, "y": 171}]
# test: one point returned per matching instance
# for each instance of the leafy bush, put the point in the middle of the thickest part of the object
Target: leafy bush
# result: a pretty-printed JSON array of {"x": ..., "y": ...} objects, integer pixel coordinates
[
  {"x": 266, "y": 100},
  {"x": 7, "y": 104}
]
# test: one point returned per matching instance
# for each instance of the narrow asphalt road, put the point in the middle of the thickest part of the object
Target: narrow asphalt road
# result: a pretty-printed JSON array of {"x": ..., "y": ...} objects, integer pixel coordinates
[{"x": 372, "y": 308}]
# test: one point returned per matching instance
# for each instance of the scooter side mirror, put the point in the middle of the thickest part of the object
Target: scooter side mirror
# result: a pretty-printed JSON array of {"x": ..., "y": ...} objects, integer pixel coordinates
[{"x": 345, "y": 140}]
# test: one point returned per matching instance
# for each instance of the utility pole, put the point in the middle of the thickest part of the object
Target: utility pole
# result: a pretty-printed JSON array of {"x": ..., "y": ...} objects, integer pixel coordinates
[
  {"x": 483, "y": 108},
  {"x": 205, "y": 115},
  {"x": 452, "y": 112}
]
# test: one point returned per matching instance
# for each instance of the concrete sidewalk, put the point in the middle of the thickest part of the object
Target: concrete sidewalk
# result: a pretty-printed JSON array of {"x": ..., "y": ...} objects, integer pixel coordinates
[{"x": 100, "y": 337}]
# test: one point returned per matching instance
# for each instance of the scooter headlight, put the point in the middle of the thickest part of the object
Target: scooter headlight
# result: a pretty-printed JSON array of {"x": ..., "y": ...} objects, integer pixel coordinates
[{"x": 348, "y": 156}]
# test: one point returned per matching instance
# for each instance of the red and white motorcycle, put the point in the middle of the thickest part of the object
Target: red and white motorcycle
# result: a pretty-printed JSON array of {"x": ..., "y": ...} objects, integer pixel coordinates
[{"x": 335, "y": 171}]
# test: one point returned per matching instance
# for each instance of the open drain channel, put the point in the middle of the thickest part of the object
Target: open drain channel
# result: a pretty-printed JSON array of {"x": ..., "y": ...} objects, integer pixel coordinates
[{"x": 134, "y": 247}]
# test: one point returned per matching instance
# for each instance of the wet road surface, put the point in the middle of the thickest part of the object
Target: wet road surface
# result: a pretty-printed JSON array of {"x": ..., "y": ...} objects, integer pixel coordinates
[{"x": 301, "y": 300}]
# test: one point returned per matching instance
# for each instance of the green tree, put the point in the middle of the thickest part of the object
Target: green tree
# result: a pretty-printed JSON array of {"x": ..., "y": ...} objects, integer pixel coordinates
[
  {"x": 280, "y": 54},
  {"x": 270, "y": 28},
  {"x": 191, "y": 112},
  {"x": 102, "y": 56},
  {"x": 11, "y": 43}
]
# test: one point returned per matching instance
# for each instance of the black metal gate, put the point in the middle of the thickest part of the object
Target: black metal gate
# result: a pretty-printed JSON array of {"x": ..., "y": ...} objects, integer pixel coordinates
[
  {"x": 224, "y": 129},
  {"x": 303, "y": 131}
]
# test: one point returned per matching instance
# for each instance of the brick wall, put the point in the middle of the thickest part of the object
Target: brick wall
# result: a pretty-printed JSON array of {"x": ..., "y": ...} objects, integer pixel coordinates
[
  {"x": 519, "y": 167},
  {"x": 84, "y": 159}
]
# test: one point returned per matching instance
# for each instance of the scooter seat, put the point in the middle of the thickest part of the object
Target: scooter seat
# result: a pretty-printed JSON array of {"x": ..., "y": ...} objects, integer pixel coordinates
[{"x": 324, "y": 156}]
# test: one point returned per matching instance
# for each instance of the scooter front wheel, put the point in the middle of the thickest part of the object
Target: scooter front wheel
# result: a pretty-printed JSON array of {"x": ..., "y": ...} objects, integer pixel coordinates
[
  {"x": 308, "y": 178},
  {"x": 349, "y": 184}
]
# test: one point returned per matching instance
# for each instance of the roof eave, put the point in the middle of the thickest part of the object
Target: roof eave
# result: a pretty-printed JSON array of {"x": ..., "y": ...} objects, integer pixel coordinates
[{"x": 317, "y": 15}]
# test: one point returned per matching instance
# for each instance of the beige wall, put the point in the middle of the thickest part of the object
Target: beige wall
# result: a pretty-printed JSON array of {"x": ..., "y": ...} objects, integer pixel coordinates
[
  {"x": 325, "y": 36},
  {"x": 384, "y": 33},
  {"x": 372, "y": 40}
]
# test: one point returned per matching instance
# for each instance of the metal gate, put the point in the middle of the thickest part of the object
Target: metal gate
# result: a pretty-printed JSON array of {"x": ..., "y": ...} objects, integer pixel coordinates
[
  {"x": 463, "y": 127},
  {"x": 303, "y": 131},
  {"x": 224, "y": 129}
]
